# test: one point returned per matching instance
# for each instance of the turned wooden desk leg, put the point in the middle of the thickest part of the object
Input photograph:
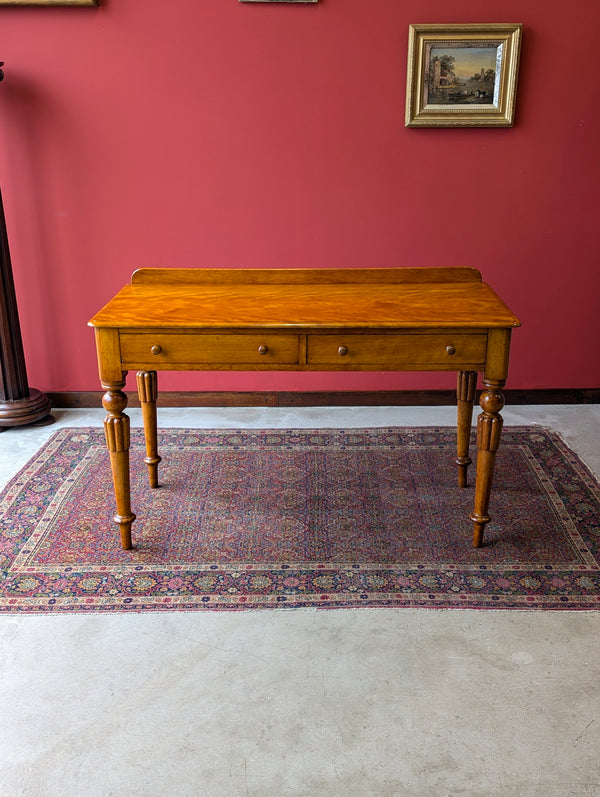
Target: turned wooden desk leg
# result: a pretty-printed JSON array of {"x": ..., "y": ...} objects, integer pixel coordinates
[
  {"x": 489, "y": 430},
  {"x": 147, "y": 386},
  {"x": 465, "y": 395},
  {"x": 116, "y": 429}
]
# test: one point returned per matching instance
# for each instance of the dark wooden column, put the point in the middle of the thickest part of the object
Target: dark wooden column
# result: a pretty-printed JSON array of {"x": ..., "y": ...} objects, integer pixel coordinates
[{"x": 19, "y": 404}]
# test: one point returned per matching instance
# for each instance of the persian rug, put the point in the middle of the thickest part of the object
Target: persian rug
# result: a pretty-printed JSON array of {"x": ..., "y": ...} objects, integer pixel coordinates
[{"x": 300, "y": 518}]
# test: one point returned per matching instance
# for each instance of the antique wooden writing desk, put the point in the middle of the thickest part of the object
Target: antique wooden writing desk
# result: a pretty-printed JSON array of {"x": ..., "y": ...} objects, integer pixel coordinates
[{"x": 424, "y": 319}]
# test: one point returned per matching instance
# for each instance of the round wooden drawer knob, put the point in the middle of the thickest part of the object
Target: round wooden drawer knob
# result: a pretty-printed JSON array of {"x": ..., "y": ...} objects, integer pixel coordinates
[
  {"x": 156, "y": 349},
  {"x": 262, "y": 349},
  {"x": 343, "y": 351},
  {"x": 450, "y": 350}
]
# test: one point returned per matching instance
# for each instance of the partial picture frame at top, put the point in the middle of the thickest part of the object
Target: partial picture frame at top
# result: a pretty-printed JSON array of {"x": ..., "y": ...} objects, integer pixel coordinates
[
  {"x": 62, "y": 3},
  {"x": 462, "y": 75}
]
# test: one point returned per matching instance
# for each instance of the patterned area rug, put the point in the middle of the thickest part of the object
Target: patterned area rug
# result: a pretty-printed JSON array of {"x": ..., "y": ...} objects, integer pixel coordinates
[{"x": 300, "y": 518}]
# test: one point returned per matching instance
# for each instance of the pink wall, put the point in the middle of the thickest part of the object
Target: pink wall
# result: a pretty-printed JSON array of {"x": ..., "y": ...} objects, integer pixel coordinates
[{"x": 217, "y": 133}]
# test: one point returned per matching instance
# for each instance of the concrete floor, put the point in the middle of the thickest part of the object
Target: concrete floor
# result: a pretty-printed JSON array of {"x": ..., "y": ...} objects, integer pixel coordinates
[{"x": 305, "y": 703}]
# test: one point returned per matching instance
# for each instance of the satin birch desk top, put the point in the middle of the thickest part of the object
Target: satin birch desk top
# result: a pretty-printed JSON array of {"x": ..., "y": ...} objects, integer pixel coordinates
[{"x": 308, "y": 298}]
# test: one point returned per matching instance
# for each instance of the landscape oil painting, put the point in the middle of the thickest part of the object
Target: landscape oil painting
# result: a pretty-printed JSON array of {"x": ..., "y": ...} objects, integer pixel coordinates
[{"x": 462, "y": 75}]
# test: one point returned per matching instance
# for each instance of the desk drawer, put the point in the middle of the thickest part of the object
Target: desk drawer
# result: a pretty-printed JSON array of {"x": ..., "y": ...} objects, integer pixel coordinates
[
  {"x": 163, "y": 348},
  {"x": 445, "y": 351}
]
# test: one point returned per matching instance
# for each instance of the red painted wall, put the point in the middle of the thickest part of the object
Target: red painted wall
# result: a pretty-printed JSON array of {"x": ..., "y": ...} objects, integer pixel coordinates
[{"x": 218, "y": 133}]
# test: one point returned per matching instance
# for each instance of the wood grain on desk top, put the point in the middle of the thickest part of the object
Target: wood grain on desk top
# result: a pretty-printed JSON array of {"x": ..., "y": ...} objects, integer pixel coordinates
[{"x": 326, "y": 298}]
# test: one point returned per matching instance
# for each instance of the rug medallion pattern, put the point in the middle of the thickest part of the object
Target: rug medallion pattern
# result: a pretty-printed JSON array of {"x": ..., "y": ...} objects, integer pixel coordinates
[{"x": 300, "y": 518}]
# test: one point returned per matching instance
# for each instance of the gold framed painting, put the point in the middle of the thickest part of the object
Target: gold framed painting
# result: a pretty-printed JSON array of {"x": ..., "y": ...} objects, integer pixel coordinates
[{"x": 462, "y": 75}]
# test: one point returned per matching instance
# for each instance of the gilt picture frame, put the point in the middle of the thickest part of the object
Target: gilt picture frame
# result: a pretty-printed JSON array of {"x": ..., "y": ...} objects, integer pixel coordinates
[
  {"x": 279, "y": 1},
  {"x": 462, "y": 75}
]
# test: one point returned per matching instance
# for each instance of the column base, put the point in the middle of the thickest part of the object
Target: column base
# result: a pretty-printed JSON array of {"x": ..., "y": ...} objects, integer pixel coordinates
[{"x": 34, "y": 408}]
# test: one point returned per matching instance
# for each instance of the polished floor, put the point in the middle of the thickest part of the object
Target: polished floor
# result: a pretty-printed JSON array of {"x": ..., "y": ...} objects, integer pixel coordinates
[{"x": 302, "y": 702}]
